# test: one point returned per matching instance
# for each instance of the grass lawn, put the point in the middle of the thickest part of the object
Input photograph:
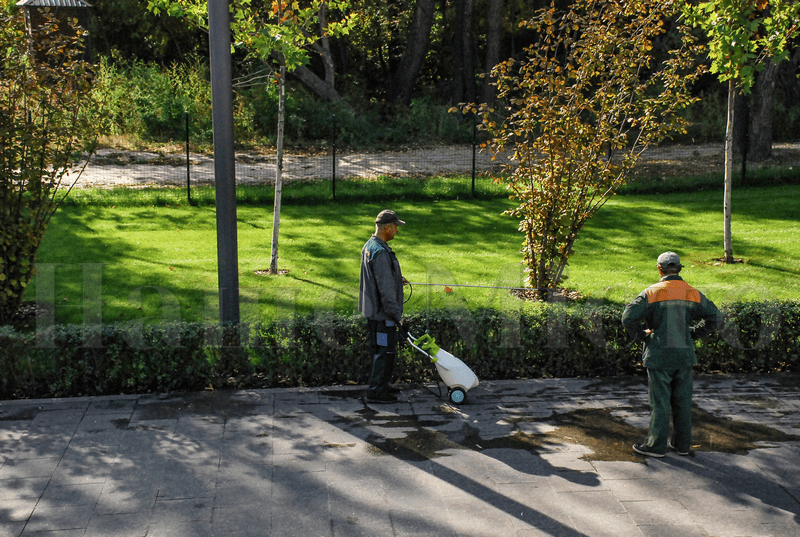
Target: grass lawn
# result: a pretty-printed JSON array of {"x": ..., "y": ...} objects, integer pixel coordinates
[
  {"x": 615, "y": 255},
  {"x": 159, "y": 261}
]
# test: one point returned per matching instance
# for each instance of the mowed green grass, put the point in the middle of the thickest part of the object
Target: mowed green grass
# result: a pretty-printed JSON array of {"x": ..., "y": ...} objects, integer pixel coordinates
[
  {"x": 154, "y": 263},
  {"x": 615, "y": 255}
]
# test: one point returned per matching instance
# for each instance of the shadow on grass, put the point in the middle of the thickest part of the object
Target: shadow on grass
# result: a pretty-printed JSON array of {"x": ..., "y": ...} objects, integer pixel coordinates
[{"x": 168, "y": 254}]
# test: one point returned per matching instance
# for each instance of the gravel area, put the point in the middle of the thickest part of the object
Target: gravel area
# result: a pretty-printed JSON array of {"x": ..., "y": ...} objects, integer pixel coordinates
[{"x": 112, "y": 168}]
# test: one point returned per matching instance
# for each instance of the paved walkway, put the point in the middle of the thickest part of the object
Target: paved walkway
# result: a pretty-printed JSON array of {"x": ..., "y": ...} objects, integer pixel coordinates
[{"x": 525, "y": 458}]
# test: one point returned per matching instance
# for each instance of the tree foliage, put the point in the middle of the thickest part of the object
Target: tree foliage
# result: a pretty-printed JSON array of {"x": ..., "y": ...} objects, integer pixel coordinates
[
  {"x": 579, "y": 110},
  {"x": 44, "y": 120},
  {"x": 742, "y": 34},
  {"x": 128, "y": 31},
  {"x": 282, "y": 30}
]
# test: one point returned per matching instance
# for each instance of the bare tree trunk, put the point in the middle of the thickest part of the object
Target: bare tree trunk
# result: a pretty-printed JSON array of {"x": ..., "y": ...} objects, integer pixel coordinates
[
  {"x": 319, "y": 87},
  {"x": 741, "y": 124},
  {"x": 494, "y": 30},
  {"x": 761, "y": 114},
  {"x": 788, "y": 75},
  {"x": 728, "y": 243},
  {"x": 467, "y": 50},
  {"x": 463, "y": 65},
  {"x": 276, "y": 215},
  {"x": 323, "y": 47},
  {"x": 402, "y": 83}
]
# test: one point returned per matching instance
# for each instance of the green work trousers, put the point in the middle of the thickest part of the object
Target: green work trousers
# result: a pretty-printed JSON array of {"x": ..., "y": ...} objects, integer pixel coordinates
[
  {"x": 383, "y": 350},
  {"x": 670, "y": 393}
]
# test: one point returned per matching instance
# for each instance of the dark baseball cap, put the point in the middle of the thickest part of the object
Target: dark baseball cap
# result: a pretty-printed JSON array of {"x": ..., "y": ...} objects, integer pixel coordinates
[
  {"x": 669, "y": 259},
  {"x": 388, "y": 217}
]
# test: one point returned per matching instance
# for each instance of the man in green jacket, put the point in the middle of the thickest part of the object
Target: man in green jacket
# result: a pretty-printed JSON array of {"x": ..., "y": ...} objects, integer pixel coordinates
[{"x": 669, "y": 316}]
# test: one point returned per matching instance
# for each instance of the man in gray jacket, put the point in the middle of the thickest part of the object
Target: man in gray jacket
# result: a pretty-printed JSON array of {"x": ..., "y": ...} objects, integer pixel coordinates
[{"x": 380, "y": 300}]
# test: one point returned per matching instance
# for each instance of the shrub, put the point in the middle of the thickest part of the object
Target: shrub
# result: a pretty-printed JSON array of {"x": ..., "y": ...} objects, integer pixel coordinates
[
  {"x": 554, "y": 341},
  {"x": 150, "y": 103}
]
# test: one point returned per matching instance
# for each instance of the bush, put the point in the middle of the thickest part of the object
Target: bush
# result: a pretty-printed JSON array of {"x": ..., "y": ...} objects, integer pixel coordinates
[
  {"x": 150, "y": 103},
  {"x": 147, "y": 102},
  {"x": 555, "y": 341},
  {"x": 758, "y": 337}
]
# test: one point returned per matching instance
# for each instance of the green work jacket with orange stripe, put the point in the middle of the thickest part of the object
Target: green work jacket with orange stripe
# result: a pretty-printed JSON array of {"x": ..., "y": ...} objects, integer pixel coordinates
[{"x": 677, "y": 314}]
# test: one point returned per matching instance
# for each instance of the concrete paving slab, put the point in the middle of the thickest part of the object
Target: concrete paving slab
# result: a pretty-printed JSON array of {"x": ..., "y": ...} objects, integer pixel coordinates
[
  {"x": 527, "y": 458},
  {"x": 122, "y": 525},
  {"x": 16, "y": 469},
  {"x": 30, "y": 488},
  {"x": 60, "y": 495},
  {"x": 62, "y": 517},
  {"x": 36, "y": 446},
  {"x": 131, "y": 500},
  {"x": 672, "y": 530},
  {"x": 606, "y": 525}
]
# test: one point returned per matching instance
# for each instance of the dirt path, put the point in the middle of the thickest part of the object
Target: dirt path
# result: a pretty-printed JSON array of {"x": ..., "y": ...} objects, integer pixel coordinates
[{"x": 110, "y": 168}]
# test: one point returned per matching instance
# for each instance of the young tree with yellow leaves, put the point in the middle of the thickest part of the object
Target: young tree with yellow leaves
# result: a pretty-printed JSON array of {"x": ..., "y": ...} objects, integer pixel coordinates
[{"x": 578, "y": 111}]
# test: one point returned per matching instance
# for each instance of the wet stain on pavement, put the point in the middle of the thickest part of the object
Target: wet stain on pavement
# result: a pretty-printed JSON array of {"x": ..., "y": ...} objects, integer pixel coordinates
[
  {"x": 342, "y": 394},
  {"x": 608, "y": 436},
  {"x": 713, "y": 433},
  {"x": 417, "y": 445},
  {"x": 616, "y": 384},
  {"x": 19, "y": 414},
  {"x": 218, "y": 404},
  {"x": 121, "y": 424}
]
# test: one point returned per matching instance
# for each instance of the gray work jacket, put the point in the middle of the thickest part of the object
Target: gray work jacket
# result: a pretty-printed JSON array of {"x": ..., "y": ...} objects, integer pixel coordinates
[{"x": 380, "y": 290}]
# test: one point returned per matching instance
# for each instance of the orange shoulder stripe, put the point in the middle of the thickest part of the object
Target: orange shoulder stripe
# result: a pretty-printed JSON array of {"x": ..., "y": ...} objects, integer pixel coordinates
[{"x": 672, "y": 290}]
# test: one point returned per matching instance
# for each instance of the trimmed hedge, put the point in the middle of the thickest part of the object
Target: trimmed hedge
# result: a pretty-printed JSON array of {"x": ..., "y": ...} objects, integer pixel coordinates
[{"x": 556, "y": 341}]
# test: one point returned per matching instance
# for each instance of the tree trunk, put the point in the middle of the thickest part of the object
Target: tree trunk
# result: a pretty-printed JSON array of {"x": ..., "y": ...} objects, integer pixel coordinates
[
  {"x": 325, "y": 91},
  {"x": 323, "y": 48},
  {"x": 741, "y": 124},
  {"x": 494, "y": 30},
  {"x": 276, "y": 215},
  {"x": 463, "y": 83},
  {"x": 789, "y": 81},
  {"x": 402, "y": 83},
  {"x": 761, "y": 114},
  {"x": 728, "y": 243}
]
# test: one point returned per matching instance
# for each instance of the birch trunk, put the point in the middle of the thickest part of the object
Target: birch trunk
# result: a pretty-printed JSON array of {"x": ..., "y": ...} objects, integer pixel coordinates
[
  {"x": 728, "y": 243},
  {"x": 276, "y": 218}
]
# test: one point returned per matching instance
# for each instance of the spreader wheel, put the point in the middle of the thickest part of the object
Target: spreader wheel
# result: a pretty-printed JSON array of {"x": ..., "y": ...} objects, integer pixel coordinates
[{"x": 457, "y": 396}]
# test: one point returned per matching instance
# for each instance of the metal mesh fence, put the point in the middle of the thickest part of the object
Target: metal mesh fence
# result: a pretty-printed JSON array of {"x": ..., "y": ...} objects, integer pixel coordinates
[{"x": 114, "y": 168}]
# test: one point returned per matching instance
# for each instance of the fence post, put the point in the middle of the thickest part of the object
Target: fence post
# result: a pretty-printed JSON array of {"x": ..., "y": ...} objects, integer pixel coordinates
[
  {"x": 333, "y": 182},
  {"x": 474, "y": 142}
]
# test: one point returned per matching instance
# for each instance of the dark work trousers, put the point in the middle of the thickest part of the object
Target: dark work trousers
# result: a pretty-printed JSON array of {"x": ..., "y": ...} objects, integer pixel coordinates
[
  {"x": 670, "y": 392},
  {"x": 383, "y": 351}
]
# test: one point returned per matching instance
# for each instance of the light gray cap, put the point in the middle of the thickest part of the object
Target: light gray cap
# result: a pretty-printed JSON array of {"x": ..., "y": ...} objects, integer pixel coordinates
[{"x": 669, "y": 259}]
